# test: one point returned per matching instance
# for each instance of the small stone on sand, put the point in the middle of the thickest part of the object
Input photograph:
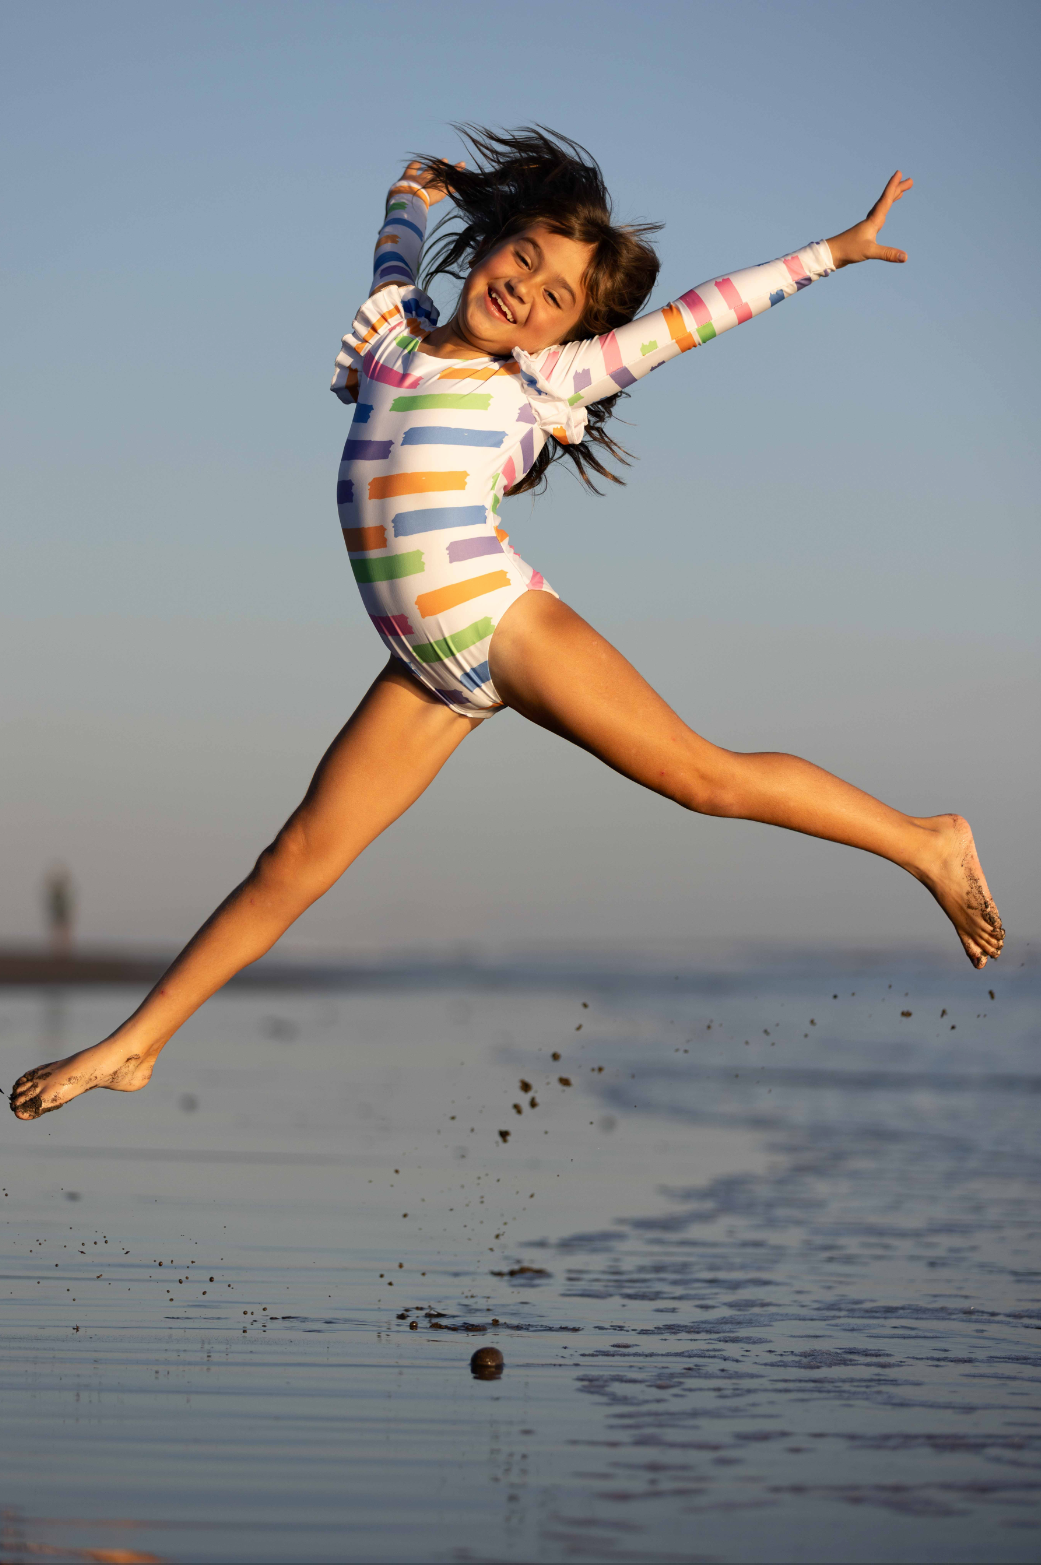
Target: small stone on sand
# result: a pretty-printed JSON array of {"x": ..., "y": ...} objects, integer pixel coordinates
[{"x": 487, "y": 1363}]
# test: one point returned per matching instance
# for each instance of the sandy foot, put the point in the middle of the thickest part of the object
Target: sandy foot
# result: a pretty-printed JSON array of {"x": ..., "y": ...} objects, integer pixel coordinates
[
  {"x": 959, "y": 885},
  {"x": 48, "y": 1087}
]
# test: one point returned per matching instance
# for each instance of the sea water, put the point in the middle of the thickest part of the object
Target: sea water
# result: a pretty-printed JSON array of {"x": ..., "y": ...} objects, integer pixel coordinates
[{"x": 759, "y": 1245}]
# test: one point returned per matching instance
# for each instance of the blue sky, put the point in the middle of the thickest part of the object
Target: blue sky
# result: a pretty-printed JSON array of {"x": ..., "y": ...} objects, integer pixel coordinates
[{"x": 828, "y": 545}]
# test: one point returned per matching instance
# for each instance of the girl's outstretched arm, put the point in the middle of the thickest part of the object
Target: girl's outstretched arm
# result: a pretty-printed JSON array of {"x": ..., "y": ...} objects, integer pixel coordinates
[{"x": 586, "y": 371}]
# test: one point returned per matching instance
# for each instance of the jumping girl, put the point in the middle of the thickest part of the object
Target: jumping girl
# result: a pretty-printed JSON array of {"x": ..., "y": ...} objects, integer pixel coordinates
[{"x": 449, "y": 421}]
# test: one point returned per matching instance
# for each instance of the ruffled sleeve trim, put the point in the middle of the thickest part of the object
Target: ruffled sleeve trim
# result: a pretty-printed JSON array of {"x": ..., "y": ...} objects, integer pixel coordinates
[
  {"x": 554, "y": 413},
  {"x": 392, "y": 308}
]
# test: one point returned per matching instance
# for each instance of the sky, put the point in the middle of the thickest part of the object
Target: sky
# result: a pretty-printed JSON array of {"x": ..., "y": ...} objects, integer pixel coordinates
[{"x": 828, "y": 545}]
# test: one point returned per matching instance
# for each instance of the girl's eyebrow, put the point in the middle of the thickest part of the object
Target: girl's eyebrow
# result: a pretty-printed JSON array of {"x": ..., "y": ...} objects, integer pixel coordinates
[{"x": 558, "y": 281}]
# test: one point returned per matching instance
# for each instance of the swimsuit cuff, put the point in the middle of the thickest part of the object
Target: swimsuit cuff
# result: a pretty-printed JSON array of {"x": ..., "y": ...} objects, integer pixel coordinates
[
  {"x": 818, "y": 258},
  {"x": 555, "y": 414}
]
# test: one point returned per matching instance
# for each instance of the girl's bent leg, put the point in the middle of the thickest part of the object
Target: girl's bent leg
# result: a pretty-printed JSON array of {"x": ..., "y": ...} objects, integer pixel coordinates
[
  {"x": 554, "y": 669},
  {"x": 382, "y": 760}
]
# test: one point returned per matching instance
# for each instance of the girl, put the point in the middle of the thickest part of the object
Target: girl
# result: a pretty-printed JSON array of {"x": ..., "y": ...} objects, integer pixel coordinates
[{"x": 449, "y": 420}]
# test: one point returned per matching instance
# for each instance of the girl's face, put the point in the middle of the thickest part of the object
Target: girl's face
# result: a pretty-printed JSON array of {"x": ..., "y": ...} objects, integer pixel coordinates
[{"x": 526, "y": 293}]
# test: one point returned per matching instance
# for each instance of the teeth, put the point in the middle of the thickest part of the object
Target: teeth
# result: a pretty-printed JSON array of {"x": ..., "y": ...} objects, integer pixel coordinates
[{"x": 503, "y": 306}]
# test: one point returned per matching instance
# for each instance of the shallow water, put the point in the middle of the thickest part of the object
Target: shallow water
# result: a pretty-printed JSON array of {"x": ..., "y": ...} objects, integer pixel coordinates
[{"x": 785, "y": 1303}]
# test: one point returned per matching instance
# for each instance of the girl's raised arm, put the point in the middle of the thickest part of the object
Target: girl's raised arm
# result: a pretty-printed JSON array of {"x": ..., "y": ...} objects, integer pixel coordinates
[
  {"x": 584, "y": 372},
  {"x": 399, "y": 245},
  {"x": 399, "y": 242}
]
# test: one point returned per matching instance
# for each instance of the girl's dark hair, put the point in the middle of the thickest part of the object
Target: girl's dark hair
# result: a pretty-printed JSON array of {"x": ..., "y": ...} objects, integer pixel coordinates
[{"x": 535, "y": 175}]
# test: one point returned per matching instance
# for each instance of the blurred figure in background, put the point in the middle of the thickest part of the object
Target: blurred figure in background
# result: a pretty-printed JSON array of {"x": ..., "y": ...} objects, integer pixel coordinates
[{"x": 59, "y": 900}]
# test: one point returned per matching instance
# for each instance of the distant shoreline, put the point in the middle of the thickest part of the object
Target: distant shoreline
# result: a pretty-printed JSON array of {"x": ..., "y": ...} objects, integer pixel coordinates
[
  {"x": 704, "y": 971},
  {"x": 33, "y": 967}
]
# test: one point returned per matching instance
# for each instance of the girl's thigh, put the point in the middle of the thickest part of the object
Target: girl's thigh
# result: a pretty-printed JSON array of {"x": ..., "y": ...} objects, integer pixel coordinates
[
  {"x": 383, "y": 758},
  {"x": 553, "y": 668}
]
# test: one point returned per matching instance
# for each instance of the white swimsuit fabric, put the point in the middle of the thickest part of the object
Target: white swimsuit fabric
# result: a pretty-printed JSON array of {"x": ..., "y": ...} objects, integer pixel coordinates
[{"x": 436, "y": 445}]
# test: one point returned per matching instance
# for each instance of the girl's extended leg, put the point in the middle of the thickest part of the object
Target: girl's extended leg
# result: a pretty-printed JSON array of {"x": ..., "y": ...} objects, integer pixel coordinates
[
  {"x": 553, "y": 668},
  {"x": 389, "y": 752}
]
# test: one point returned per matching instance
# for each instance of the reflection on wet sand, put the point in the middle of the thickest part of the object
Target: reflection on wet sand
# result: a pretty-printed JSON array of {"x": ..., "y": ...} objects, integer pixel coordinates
[
  {"x": 22, "y": 1538},
  {"x": 763, "y": 1273}
]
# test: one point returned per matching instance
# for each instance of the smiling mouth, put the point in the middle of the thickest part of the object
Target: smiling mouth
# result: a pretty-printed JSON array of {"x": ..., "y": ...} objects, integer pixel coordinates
[{"x": 500, "y": 307}]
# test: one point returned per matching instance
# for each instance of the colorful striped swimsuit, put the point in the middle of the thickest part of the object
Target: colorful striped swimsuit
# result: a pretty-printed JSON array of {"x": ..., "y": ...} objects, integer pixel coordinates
[{"x": 436, "y": 444}]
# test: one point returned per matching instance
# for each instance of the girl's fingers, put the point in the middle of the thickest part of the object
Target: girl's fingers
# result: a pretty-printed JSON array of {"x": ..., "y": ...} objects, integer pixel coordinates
[
  {"x": 419, "y": 171},
  {"x": 885, "y": 253},
  {"x": 895, "y": 188},
  {"x": 416, "y": 167}
]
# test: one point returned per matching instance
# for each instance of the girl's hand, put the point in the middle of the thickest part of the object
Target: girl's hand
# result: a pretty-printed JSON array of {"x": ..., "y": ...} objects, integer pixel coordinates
[
  {"x": 859, "y": 243},
  {"x": 435, "y": 191}
]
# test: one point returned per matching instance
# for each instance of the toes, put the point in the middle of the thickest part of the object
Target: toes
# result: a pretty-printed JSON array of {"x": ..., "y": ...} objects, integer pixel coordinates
[
  {"x": 34, "y": 1108},
  {"x": 23, "y": 1090},
  {"x": 26, "y": 1099}
]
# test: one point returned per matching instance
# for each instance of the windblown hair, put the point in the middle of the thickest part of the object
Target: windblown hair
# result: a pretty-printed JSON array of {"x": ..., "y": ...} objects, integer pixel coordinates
[{"x": 534, "y": 175}]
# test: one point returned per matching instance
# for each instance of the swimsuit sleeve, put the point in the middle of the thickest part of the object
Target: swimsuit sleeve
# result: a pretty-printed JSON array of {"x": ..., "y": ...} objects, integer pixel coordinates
[
  {"x": 408, "y": 312},
  {"x": 582, "y": 372},
  {"x": 394, "y": 301},
  {"x": 399, "y": 242}
]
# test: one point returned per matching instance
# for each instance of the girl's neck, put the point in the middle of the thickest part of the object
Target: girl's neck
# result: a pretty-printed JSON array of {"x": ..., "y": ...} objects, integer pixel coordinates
[{"x": 447, "y": 342}]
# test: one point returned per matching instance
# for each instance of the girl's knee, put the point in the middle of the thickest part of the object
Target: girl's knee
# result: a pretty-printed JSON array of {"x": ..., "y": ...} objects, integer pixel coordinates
[{"x": 291, "y": 861}]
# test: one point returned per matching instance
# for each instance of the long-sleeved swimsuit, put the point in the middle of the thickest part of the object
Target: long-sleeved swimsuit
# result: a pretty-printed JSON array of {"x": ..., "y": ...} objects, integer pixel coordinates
[{"x": 436, "y": 444}]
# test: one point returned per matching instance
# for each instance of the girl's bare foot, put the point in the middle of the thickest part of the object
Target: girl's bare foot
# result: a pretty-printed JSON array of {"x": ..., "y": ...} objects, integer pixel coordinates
[
  {"x": 954, "y": 877},
  {"x": 50, "y": 1086}
]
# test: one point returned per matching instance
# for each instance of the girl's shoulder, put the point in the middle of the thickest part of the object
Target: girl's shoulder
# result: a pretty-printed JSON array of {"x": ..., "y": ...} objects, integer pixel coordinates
[
  {"x": 390, "y": 309},
  {"x": 545, "y": 386}
]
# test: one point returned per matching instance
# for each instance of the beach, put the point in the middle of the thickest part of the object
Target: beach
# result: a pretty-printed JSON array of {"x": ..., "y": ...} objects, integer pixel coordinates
[{"x": 759, "y": 1246}]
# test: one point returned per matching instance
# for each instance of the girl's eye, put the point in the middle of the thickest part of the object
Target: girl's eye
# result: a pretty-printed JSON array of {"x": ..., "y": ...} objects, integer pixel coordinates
[
  {"x": 523, "y": 259},
  {"x": 554, "y": 301}
]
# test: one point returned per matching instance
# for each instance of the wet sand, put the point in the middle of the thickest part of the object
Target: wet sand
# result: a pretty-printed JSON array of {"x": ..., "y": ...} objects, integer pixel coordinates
[{"x": 765, "y": 1274}]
